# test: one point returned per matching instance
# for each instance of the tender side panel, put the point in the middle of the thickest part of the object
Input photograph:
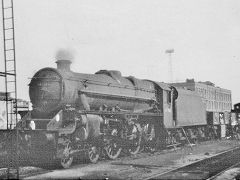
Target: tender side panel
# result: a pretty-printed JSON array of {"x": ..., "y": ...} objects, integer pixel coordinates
[{"x": 190, "y": 109}]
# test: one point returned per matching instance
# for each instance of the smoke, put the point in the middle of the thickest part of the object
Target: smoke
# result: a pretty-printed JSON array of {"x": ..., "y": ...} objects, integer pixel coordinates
[{"x": 65, "y": 54}]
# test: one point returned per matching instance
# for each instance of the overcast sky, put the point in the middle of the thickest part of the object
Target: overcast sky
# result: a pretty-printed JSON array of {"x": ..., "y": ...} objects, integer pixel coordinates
[{"x": 131, "y": 36}]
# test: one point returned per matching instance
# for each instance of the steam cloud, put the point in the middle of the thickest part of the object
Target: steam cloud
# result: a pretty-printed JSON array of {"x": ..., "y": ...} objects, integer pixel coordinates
[{"x": 64, "y": 54}]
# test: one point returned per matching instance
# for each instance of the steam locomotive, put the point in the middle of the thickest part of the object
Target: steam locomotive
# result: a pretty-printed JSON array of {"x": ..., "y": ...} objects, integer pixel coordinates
[{"x": 90, "y": 115}]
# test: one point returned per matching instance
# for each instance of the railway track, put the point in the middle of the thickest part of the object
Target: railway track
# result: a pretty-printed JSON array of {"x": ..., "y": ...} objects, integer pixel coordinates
[
  {"x": 29, "y": 171},
  {"x": 208, "y": 168},
  {"x": 219, "y": 175}
]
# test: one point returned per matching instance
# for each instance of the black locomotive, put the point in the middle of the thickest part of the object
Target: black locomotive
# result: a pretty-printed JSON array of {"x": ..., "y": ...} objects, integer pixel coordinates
[{"x": 105, "y": 113}]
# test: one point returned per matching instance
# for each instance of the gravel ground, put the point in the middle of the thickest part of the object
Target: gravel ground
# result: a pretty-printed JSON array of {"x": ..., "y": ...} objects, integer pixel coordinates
[
  {"x": 23, "y": 172},
  {"x": 141, "y": 166}
]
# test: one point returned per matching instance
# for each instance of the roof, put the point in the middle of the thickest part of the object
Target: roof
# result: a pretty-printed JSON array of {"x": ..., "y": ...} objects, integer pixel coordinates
[{"x": 164, "y": 86}]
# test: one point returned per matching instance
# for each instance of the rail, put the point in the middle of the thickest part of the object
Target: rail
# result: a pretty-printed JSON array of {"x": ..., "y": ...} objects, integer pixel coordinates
[{"x": 207, "y": 168}]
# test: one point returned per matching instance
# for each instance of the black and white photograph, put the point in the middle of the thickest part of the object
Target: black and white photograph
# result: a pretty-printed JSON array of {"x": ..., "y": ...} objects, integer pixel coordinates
[{"x": 120, "y": 89}]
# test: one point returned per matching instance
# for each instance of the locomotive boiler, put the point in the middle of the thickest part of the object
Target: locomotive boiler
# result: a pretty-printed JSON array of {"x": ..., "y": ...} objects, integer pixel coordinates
[{"x": 51, "y": 89}]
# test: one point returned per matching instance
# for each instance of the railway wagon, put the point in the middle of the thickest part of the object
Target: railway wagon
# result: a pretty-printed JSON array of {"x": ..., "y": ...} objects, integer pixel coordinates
[{"x": 235, "y": 120}]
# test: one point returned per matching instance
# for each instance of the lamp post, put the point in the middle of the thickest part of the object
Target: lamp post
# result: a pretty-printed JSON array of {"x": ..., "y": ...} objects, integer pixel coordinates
[{"x": 169, "y": 52}]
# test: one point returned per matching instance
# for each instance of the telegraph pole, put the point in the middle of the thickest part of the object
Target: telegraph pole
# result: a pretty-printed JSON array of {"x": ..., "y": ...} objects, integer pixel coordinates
[{"x": 170, "y": 71}]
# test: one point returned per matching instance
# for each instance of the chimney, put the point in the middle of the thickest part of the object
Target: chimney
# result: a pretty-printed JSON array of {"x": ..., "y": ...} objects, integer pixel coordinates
[{"x": 63, "y": 65}]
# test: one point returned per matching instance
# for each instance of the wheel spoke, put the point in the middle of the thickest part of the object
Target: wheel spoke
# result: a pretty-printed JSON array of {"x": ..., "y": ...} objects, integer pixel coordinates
[
  {"x": 93, "y": 154},
  {"x": 113, "y": 149},
  {"x": 67, "y": 159},
  {"x": 135, "y": 138},
  {"x": 148, "y": 137}
]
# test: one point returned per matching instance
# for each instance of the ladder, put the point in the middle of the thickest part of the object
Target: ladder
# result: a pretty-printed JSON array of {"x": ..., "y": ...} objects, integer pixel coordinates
[
  {"x": 10, "y": 85},
  {"x": 10, "y": 63}
]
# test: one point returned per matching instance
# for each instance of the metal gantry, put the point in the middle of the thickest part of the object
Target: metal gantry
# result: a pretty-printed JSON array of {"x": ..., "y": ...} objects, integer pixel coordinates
[{"x": 10, "y": 84}]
